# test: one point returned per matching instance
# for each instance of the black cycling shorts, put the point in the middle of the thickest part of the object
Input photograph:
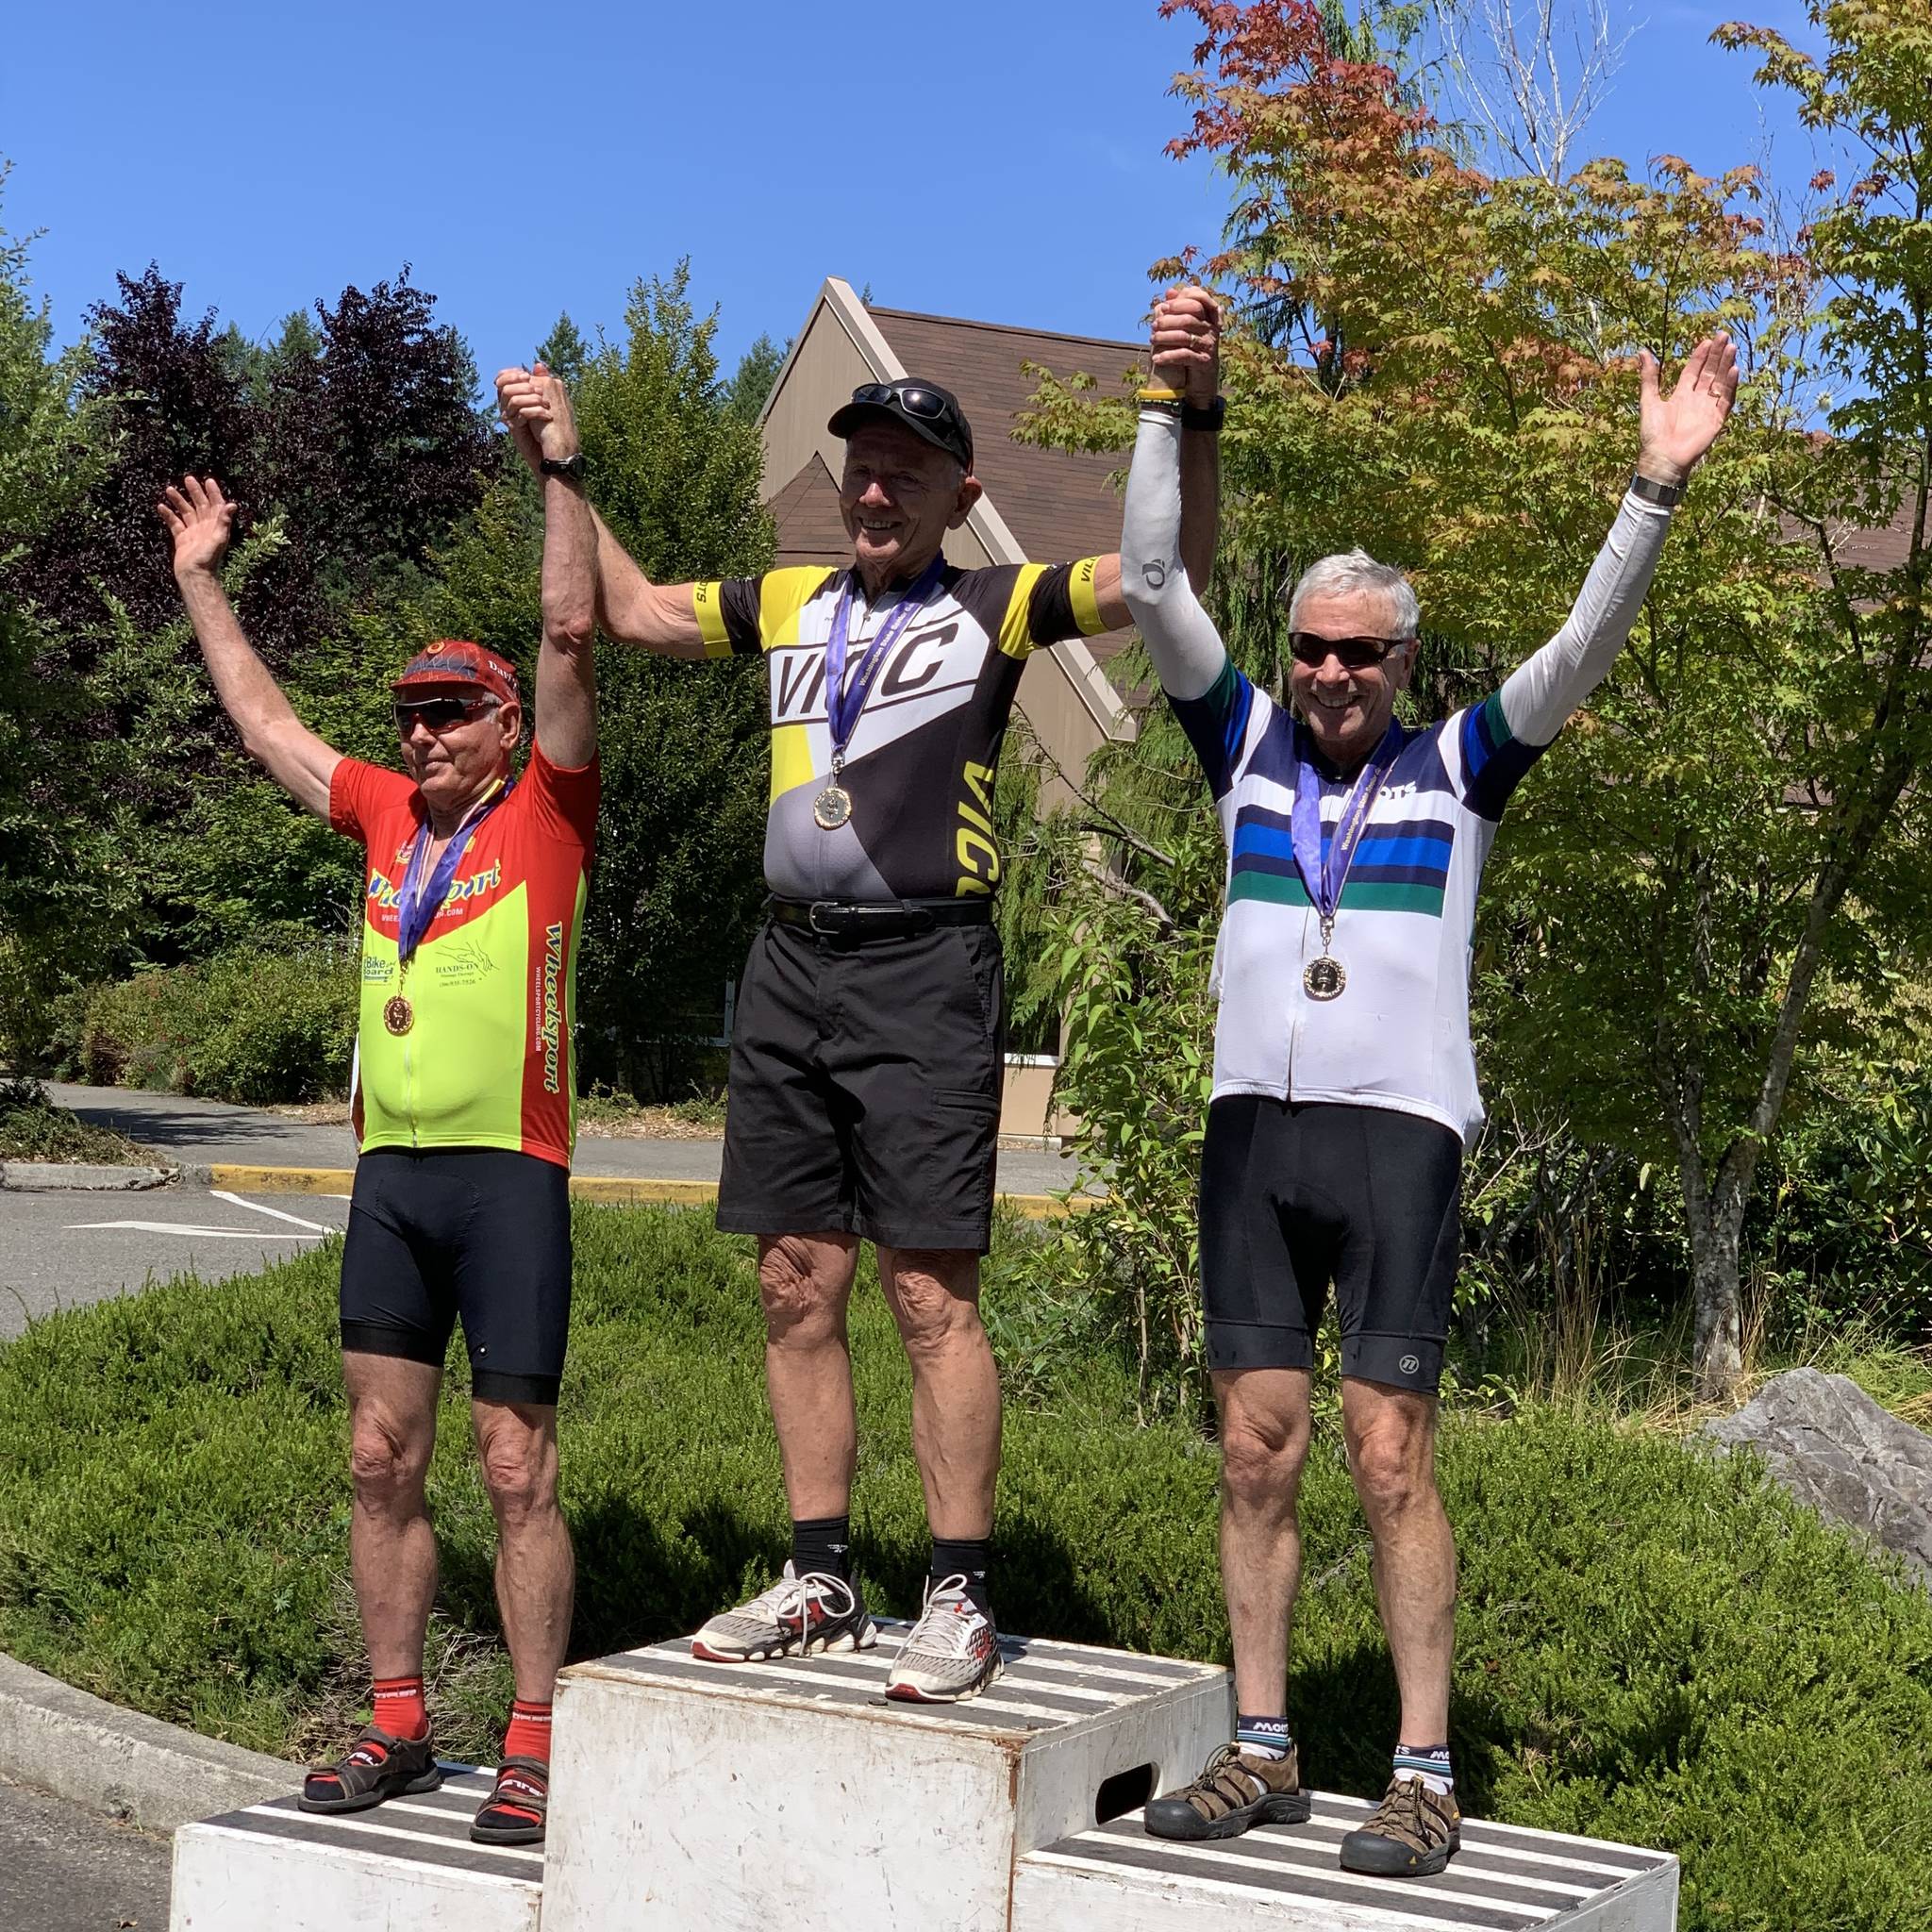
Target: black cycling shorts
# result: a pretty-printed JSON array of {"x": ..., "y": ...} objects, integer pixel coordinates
[
  {"x": 1293, "y": 1197},
  {"x": 473, "y": 1231},
  {"x": 865, "y": 1088}
]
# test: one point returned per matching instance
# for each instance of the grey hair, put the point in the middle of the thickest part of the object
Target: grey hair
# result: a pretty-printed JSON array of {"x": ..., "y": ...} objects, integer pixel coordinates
[{"x": 1356, "y": 570}]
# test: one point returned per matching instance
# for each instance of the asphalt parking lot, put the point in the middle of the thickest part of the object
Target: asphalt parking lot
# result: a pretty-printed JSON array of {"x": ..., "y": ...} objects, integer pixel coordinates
[{"x": 63, "y": 1250}]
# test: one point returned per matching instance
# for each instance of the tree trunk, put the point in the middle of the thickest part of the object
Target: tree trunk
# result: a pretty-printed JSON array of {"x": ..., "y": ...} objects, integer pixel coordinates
[{"x": 1717, "y": 1353}]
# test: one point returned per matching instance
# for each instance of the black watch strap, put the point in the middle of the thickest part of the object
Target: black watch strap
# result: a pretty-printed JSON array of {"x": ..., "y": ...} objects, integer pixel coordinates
[
  {"x": 573, "y": 467},
  {"x": 1210, "y": 419},
  {"x": 1665, "y": 496}
]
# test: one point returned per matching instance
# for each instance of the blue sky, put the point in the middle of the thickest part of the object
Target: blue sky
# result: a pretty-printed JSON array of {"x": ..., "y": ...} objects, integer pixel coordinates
[{"x": 1001, "y": 160}]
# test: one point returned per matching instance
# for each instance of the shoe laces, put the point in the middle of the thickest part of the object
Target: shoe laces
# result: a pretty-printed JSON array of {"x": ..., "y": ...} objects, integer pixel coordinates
[
  {"x": 1227, "y": 1760},
  {"x": 1402, "y": 1809},
  {"x": 792, "y": 1596},
  {"x": 950, "y": 1622}
]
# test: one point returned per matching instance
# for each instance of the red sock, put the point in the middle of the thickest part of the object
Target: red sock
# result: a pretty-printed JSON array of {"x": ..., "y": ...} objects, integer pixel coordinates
[
  {"x": 399, "y": 1707},
  {"x": 529, "y": 1732}
]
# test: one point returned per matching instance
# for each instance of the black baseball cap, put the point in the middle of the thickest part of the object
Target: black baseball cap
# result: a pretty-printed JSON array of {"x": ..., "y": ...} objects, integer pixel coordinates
[{"x": 921, "y": 406}]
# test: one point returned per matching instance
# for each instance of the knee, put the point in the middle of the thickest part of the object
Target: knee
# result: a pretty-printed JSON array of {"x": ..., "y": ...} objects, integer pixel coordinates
[
  {"x": 1261, "y": 1460},
  {"x": 386, "y": 1466},
  {"x": 518, "y": 1473},
  {"x": 1393, "y": 1472},
  {"x": 929, "y": 1304},
  {"x": 803, "y": 1304}
]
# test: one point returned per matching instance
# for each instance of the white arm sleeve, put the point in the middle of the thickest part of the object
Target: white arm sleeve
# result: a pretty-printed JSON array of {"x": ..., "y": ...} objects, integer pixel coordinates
[
  {"x": 1180, "y": 635},
  {"x": 1540, "y": 693}
]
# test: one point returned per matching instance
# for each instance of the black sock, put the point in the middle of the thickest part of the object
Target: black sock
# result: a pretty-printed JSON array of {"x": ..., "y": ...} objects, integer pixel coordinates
[
  {"x": 966, "y": 1557},
  {"x": 823, "y": 1544}
]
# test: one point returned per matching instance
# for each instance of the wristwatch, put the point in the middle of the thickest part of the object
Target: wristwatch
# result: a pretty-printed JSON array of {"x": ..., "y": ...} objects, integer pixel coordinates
[
  {"x": 1665, "y": 496},
  {"x": 573, "y": 467},
  {"x": 1210, "y": 419}
]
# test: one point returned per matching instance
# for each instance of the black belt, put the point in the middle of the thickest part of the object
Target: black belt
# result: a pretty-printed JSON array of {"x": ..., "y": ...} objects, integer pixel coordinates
[{"x": 892, "y": 918}]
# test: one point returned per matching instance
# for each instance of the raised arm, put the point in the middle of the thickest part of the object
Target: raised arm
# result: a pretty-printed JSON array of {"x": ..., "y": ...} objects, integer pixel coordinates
[
  {"x": 1180, "y": 635},
  {"x": 1676, "y": 431},
  {"x": 1186, "y": 359},
  {"x": 200, "y": 519},
  {"x": 567, "y": 656},
  {"x": 631, "y": 608}
]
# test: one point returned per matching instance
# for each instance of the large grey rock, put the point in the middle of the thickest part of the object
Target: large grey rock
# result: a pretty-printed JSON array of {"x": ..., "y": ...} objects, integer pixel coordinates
[{"x": 1828, "y": 1442}]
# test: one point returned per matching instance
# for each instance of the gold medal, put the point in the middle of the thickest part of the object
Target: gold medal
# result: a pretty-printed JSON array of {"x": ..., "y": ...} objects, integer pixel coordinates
[
  {"x": 831, "y": 807},
  {"x": 1324, "y": 979},
  {"x": 398, "y": 1015}
]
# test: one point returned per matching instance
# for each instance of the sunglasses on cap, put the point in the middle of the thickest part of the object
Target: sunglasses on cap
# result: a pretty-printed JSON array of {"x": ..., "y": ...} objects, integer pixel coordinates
[
  {"x": 926, "y": 404},
  {"x": 440, "y": 714},
  {"x": 1355, "y": 654}
]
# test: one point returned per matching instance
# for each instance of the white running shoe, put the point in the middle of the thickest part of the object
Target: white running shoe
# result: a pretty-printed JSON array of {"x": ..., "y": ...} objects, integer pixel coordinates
[
  {"x": 951, "y": 1654},
  {"x": 799, "y": 1616}
]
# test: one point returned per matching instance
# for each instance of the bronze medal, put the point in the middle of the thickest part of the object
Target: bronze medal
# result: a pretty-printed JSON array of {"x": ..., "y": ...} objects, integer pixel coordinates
[
  {"x": 1324, "y": 979},
  {"x": 398, "y": 1015},
  {"x": 831, "y": 807}
]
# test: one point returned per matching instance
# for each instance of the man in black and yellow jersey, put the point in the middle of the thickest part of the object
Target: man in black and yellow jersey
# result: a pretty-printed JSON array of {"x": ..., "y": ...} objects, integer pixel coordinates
[
  {"x": 866, "y": 1059},
  {"x": 474, "y": 879}
]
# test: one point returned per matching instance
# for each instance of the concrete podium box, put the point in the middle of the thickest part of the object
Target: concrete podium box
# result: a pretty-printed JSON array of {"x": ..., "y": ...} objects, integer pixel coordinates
[
  {"x": 737, "y": 1797},
  {"x": 1284, "y": 1879},
  {"x": 275, "y": 1868}
]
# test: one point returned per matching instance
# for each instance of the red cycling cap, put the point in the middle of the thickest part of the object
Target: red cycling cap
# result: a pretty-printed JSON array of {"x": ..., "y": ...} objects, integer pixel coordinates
[{"x": 455, "y": 660}]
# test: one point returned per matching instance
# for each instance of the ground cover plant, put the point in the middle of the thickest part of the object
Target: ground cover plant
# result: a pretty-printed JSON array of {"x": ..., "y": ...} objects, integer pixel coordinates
[
  {"x": 1652, "y": 1645},
  {"x": 33, "y": 1128}
]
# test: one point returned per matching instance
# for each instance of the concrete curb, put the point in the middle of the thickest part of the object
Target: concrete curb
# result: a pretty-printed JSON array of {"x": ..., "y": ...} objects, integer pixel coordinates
[
  {"x": 55, "y": 1176},
  {"x": 239, "y": 1180},
  {"x": 96, "y": 1755}
]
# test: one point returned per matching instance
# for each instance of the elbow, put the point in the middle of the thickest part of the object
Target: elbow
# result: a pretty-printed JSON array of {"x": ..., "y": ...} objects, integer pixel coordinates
[{"x": 573, "y": 631}]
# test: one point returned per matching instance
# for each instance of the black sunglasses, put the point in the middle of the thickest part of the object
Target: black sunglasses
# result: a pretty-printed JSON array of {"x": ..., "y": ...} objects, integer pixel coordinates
[
  {"x": 1356, "y": 653},
  {"x": 440, "y": 714},
  {"x": 928, "y": 405}
]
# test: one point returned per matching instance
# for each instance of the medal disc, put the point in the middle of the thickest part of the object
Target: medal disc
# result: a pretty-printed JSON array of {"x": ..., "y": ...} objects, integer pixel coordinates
[
  {"x": 831, "y": 807},
  {"x": 398, "y": 1015},
  {"x": 1324, "y": 979}
]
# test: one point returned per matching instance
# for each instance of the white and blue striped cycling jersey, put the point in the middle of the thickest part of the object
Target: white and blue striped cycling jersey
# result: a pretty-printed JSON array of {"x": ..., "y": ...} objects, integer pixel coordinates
[{"x": 1398, "y": 1035}]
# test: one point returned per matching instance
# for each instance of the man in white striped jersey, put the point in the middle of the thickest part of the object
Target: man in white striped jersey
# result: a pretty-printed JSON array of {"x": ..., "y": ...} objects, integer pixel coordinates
[{"x": 1344, "y": 1086}]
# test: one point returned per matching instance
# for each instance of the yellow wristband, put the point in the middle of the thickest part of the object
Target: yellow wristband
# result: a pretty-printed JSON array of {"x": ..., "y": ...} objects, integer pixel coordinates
[{"x": 1158, "y": 395}]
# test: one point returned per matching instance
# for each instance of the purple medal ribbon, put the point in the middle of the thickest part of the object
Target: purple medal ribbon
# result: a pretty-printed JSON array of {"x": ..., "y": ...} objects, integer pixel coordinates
[
  {"x": 843, "y": 706},
  {"x": 417, "y": 901},
  {"x": 1324, "y": 874}
]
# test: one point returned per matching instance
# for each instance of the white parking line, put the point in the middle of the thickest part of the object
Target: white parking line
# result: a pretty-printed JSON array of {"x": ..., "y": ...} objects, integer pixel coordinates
[
  {"x": 219, "y": 1234},
  {"x": 317, "y": 1226}
]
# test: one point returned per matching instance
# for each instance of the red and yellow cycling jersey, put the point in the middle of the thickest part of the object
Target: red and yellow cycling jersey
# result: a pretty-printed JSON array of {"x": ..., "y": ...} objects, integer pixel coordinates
[{"x": 487, "y": 1059}]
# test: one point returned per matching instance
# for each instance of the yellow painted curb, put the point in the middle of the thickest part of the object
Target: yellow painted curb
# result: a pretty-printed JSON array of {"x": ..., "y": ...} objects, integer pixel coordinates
[
  {"x": 281, "y": 1180},
  {"x": 586, "y": 1187}
]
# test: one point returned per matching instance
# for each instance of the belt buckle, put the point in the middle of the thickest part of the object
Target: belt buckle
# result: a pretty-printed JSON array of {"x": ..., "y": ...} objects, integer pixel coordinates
[{"x": 811, "y": 919}]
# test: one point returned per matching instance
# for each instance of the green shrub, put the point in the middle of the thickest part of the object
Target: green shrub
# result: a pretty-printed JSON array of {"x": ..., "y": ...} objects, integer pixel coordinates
[
  {"x": 33, "y": 1128},
  {"x": 254, "y": 1025},
  {"x": 1652, "y": 1645}
]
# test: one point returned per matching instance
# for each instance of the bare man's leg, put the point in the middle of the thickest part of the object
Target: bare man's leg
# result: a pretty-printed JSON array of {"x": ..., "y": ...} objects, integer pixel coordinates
[
  {"x": 934, "y": 1295},
  {"x": 1392, "y": 1453},
  {"x": 391, "y": 1547},
  {"x": 536, "y": 1570},
  {"x": 1264, "y": 1443},
  {"x": 806, "y": 1282}
]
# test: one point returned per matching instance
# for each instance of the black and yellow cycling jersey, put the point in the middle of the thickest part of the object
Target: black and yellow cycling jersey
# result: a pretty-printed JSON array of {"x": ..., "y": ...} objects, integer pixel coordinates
[{"x": 920, "y": 764}]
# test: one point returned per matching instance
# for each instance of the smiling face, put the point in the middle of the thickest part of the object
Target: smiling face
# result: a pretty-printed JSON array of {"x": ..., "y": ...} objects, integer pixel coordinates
[
  {"x": 1348, "y": 710},
  {"x": 454, "y": 767},
  {"x": 898, "y": 497}
]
